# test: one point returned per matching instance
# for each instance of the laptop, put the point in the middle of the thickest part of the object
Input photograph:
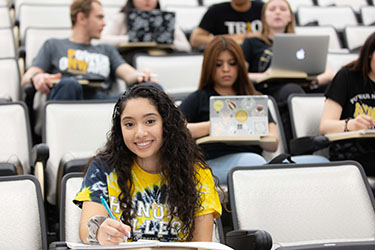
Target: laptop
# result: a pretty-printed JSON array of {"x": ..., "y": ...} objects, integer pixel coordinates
[
  {"x": 239, "y": 115},
  {"x": 151, "y": 26},
  {"x": 298, "y": 56}
]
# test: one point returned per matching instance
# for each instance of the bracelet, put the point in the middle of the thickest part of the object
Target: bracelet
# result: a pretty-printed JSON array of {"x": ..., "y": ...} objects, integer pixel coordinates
[
  {"x": 93, "y": 225},
  {"x": 346, "y": 124}
]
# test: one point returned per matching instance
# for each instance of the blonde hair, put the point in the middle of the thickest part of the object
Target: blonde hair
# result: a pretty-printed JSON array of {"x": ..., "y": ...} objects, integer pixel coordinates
[{"x": 290, "y": 28}]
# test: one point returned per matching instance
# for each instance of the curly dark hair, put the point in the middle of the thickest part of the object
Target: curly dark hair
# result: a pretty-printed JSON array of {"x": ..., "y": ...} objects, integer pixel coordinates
[{"x": 179, "y": 155}]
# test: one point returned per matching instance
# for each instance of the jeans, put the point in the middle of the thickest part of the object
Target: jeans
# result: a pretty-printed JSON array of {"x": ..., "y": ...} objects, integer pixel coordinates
[{"x": 220, "y": 166}]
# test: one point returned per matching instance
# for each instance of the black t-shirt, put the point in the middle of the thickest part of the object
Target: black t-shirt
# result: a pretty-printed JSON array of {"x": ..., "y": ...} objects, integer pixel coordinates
[
  {"x": 196, "y": 109},
  {"x": 223, "y": 19},
  {"x": 347, "y": 88},
  {"x": 257, "y": 53}
]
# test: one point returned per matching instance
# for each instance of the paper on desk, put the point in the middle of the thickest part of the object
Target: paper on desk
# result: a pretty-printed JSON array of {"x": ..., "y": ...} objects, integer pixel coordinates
[{"x": 141, "y": 244}]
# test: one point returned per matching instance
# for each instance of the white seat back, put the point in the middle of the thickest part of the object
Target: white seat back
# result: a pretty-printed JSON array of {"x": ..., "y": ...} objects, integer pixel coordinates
[
  {"x": 187, "y": 17},
  {"x": 15, "y": 134},
  {"x": 211, "y": 2},
  {"x": 281, "y": 148},
  {"x": 355, "y": 36},
  {"x": 327, "y": 16},
  {"x": 334, "y": 41},
  {"x": 4, "y": 17},
  {"x": 43, "y": 16},
  {"x": 73, "y": 127},
  {"x": 368, "y": 15},
  {"x": 335, "y": 61},
  {"x": 35, "y": 37},
  {"x": 304, "y": 203},
  {"x": 185, "y": 3},
  {"x": 305, "y": 113},
  {"x": 176, "y": 73},
  {"x": 295, "y": 4},
  {"x": 356, "y": 5},
  {"x": 7, "y": 44},
  {"x": 10, "y": 87},
  {"x": 69, "y": 212},
  {"x": 22, "y": 214}
]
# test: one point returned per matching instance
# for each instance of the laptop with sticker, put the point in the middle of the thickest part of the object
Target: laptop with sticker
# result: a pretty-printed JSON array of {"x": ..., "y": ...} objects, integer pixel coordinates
[
  {"x": 151, "y": 26},
  {"x": 239, "y": 115}
]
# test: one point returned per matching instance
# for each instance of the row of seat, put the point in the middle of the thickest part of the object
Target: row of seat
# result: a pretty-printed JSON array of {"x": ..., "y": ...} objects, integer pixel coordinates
[
  {"x": 301, "y": 206},
  {"x": 186, "y": 70}
]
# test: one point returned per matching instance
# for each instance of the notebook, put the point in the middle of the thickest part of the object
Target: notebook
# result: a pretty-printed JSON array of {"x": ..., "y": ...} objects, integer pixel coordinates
[
  {"x": 298, "y": 56},
  {"x": 239, "y": 115},
  {"x": 151, "y": 26}
]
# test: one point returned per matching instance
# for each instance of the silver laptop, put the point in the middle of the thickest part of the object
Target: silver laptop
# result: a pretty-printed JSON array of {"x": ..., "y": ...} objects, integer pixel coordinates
[
  {"x": 239, "y": 115},
  {"x": 300, "y": 53}
]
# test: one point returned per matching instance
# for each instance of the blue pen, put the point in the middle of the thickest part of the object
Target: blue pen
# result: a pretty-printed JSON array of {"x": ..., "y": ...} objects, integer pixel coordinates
[{"x": 110, "y": 213}]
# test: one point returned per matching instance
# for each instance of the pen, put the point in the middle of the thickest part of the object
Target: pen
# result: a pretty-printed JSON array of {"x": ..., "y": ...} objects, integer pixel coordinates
[
  {"x": 107, "y": 208},
  {"x": 110, "y": 213}
]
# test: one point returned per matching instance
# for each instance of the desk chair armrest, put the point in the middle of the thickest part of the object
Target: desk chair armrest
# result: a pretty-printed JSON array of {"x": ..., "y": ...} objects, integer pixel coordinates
[
  {"x": 39, "y": 157},
  {"x": 308, "y": 144},
  {"x": 58, "y": 245},
  {"x": 249, "y": 240}
]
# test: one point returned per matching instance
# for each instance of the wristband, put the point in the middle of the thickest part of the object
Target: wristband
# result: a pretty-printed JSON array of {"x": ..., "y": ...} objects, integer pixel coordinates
[
  {"x": 346, "y": 124},
  {"x": 93, "y": 225}
]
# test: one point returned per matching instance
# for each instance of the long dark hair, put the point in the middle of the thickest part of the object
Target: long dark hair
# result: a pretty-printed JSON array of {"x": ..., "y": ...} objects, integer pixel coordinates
[
  {"x": 242, "y": 85},
  {"x": 130, "y": 5},
  {"x": 179, "y": 155},
  {"x": 363, "y": 62}
]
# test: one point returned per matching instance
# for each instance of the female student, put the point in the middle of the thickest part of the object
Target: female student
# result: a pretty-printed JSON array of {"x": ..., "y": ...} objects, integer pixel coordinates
[
  {"x": 223, "y": 73},
  {"x": 277, "y": 17},
  {"x": 151, "y": 173},
  {"x": 350, "y": 106},
  {"x": 116, "y": 31}
]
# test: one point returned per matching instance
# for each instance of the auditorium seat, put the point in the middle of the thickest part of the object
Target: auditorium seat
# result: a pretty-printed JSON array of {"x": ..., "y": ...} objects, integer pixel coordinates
[
  {"x": 7, "y": 43},
  {"x": 187, "y": 17},
  {"x": 37, "y": 16},
  {"x": 211, "y": 2},
  {"x": 337, "y": 16},
  {"x": 178, "y": 73},
  {"x": 35, "y": 37},
  {"x": 185, "y": 3},
  {"x": 302, "y": 204},
  {"x": 337, "y": 60},
  {"x": 73, "y": 130},
  {"x": 368, "y": 15},
  {"x": 355, "y": 36},
  {"x": 10, "y": 88},
  {"x": 355, "y": 4},
  {"x": 335, "y": 44},
  {"x": 5, "y": 21},
  {"x": 23, "y": 221}
]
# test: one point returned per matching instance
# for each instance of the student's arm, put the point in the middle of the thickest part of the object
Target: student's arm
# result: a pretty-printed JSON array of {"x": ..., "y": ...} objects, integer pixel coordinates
[
  {"x": 203, "y": 227},
  {"x": 131, "y": 76},
  {"x": 325, "y": 77},
  {"x": 200, "y": 37},
  {"x": 255, "y": 76},
  {"x": 199, "y": 129},
  {"x": 331, "y": 123},
  {"x": 116, "y": 229},
  {"x": 272, "y": 132},
  {"x": 42, "y": 81}
]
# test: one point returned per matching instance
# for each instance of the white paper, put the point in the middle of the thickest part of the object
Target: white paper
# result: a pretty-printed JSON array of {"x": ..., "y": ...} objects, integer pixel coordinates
[{"x": 142, "y": 243}]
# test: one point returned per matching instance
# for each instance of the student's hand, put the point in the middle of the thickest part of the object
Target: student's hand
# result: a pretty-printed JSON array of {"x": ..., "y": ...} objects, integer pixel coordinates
[
  {"x": 361, "y": 122},
  {"x": 146, "y": 76},
  {"x": 112, "y": 232},
  {"x": 43, "y": 82}
]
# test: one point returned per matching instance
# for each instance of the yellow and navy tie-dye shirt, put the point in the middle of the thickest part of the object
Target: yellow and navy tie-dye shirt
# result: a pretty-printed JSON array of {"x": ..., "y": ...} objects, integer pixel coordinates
[{"x": 149, "y": 197}]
